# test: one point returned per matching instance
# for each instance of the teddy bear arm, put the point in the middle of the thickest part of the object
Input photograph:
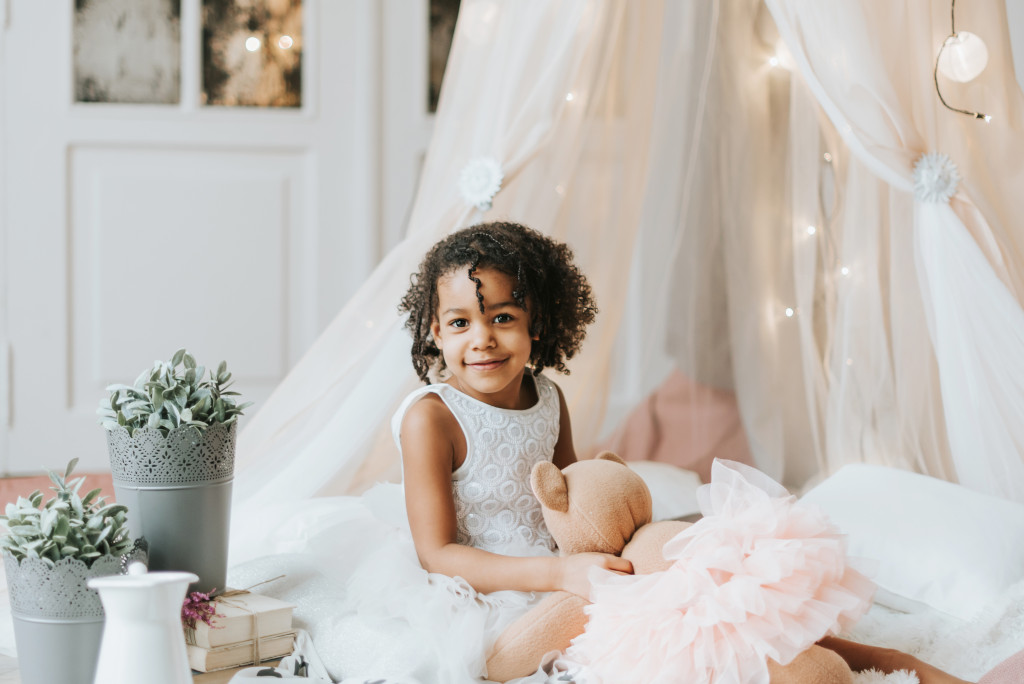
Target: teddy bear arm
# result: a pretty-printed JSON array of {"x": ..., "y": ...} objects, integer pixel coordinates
[
  {"x": 644, "y": 549},
  {"x": 550, "y": 625}
]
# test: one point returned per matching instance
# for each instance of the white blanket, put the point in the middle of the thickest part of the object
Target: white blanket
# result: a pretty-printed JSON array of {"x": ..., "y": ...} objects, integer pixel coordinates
[{"x": 966, "y": 649}]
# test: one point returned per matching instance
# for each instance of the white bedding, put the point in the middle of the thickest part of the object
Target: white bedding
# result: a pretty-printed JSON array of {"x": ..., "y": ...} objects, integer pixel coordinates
[{"x": 965, "y": 648}]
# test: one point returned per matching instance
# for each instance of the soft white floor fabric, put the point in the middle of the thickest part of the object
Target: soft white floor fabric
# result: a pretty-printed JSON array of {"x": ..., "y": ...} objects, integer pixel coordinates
[{"x": 967, "y": 649}]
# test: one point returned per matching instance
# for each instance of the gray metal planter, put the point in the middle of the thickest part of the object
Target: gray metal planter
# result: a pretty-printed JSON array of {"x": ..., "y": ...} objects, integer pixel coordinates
[
  {"x": 178, "y": 492},
  {"x": 58, "y": 620}
]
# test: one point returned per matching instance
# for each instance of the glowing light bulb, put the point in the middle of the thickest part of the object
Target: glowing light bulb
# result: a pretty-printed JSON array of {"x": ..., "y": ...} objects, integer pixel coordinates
[
  {"x": 827, "y": 157},
  {"x": 963, "y": 57},
  {"x": 569, "y": 97},
  {"x": 774, "y": 61},
  {"x": 789, "y": 312},
  {"x": 252, "y": 43},
  {"x": 285, "y": 42},
  {"x": 811, "y": 230},
  {"x": 845, "y": 270}
]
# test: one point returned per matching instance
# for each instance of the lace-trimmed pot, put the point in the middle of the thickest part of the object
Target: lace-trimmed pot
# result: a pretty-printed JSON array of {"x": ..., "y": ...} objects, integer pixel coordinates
[
  {"x": 58, "y": 619},
  {"x": 178, "y": 490}
]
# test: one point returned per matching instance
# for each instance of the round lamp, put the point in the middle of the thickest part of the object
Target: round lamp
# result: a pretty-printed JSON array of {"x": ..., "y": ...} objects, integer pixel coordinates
[{"x": 963, "y": 57}]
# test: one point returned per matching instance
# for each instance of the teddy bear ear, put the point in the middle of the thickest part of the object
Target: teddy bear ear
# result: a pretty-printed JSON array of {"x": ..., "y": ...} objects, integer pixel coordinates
[
  {"x": 609, "y": 456},
  {"x": 549, "y": 485}
]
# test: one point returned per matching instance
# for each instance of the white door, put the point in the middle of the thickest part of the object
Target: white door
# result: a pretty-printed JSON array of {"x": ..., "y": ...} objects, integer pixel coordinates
[{"x": 130, "y": 230}]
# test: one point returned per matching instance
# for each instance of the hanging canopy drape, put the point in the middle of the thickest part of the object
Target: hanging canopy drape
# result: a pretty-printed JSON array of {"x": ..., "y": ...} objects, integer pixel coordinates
[
  {"x": 870, "y": 67},
  {"x": 560, "y": 94},
  {"x": 836, "y": 318}
]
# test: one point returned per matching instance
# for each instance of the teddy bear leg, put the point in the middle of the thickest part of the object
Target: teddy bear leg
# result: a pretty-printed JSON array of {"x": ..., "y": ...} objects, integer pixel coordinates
[
  {"x": 550, "y": 625},
  {"x": 816, "y": 665}
]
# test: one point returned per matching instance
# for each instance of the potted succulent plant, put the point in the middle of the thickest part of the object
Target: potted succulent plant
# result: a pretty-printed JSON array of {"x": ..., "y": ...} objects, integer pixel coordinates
[
  {"x": 50, "y": 552},
  {"x": 171, "y": 440}
]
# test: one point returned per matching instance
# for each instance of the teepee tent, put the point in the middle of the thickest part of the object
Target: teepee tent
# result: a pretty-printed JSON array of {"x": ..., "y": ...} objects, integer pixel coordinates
[{"x": 737, "y": 180}]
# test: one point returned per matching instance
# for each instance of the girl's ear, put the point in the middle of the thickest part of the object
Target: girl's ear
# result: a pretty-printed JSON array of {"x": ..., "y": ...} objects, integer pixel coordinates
[
  {"x": 435, "y": 331},
  {"x": 548, "y": 484}
]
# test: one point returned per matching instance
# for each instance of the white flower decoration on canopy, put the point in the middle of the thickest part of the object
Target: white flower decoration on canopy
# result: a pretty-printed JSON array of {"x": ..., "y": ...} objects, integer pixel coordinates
[
  {"x": 935, "y": 178},
  {"x": 479, "y": 181}
]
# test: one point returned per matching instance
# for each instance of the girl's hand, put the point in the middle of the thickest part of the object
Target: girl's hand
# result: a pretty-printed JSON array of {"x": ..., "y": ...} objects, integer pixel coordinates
[{"x": 574, "y": 570}]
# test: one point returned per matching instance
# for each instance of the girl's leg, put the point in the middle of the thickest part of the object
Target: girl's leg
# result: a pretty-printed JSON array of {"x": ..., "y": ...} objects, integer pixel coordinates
[{"x": 863, "y": 657}]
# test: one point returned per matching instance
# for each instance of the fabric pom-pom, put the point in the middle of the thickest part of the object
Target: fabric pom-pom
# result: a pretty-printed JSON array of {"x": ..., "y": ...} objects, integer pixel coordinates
[
  {"x": 479, "y": 181},
  {"x": 873, "y": 676},
  {"x": 935, "y": 178}
]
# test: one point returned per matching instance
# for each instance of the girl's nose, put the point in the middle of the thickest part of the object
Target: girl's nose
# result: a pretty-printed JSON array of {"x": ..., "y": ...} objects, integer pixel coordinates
[{"x": 483, "y": 337}]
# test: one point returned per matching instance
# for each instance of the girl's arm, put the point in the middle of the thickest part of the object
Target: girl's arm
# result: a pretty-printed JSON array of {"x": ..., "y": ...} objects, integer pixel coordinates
[
  {"x": 565, "y": 452},
  {"x": 864, "y": 657},
  {"x": 429, "y": 436}
]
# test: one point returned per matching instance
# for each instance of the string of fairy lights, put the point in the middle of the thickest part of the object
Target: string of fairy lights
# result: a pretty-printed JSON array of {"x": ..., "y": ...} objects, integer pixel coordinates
[{"x": 962, "y": 56}]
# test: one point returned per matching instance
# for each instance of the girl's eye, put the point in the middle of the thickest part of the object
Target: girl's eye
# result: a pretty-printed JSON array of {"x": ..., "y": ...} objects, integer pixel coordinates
[
  {"x": 459, "y": 323},
  {"x": 504, "y": 318}
]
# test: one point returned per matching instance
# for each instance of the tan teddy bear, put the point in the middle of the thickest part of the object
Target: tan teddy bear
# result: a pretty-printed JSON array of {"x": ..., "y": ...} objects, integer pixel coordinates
[{"x": 601, "y": 505}]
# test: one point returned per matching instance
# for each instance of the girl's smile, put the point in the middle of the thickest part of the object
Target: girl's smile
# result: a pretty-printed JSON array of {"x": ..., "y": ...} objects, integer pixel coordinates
[
  {"x": 486, "y": 351},
  {"x": 486, "y": 365}
]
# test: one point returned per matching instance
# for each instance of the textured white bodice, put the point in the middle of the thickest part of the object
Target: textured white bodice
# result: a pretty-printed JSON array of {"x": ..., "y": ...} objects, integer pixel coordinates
[{"x": 495, "y": 507}]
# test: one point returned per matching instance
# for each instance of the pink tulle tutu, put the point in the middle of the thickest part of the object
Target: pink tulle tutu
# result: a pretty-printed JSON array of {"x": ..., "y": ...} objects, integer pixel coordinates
[{"x": 759, "y": 576}]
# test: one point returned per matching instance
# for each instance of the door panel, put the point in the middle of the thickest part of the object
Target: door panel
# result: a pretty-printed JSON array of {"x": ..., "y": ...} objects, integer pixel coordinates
[{"x": 212, "y": 237}]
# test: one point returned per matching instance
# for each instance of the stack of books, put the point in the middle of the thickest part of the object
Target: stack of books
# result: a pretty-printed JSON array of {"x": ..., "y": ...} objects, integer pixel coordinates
[{"x": 230, "y": 640}]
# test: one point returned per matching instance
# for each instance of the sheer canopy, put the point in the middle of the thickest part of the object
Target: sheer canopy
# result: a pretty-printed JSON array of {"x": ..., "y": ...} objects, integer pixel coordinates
[{"x": 736, "y": 180}]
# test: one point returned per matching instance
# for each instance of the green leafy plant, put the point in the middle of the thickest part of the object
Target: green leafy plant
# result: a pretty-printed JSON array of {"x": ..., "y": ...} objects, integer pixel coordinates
[
  {"x": 170, "y": 394},
  {"x": 68, "y": 526}
]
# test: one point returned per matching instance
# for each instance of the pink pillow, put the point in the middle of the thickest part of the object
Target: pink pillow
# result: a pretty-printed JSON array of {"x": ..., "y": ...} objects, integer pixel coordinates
[
  {"x": 1010, "y": 671},
  {"x": 683, "y": 423}
]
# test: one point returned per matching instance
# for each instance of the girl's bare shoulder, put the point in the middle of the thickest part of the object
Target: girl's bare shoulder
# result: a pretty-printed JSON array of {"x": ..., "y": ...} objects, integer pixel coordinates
[{"x": 428, "y": 418}]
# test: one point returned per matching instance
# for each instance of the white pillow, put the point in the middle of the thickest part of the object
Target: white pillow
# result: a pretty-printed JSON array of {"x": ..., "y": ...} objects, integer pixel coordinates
[
  {"x": 936, "y": 542},
  {"x": 673, "y": 489}
]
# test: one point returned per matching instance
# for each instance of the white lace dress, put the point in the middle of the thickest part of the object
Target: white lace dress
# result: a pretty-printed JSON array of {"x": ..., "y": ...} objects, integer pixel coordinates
[{"x": 372, "y": 611}]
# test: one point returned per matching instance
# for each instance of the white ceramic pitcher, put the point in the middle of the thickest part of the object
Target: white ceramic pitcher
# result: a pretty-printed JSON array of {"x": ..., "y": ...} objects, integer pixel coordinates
[{"x": 143, "y": 639}]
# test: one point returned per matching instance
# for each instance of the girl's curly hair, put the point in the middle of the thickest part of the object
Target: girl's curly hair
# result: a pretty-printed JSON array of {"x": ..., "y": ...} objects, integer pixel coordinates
[{"x": 561, "y": 303}]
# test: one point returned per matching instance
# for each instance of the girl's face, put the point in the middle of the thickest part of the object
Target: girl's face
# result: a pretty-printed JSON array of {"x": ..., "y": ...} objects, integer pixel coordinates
[{"x": 487, "y": 352}]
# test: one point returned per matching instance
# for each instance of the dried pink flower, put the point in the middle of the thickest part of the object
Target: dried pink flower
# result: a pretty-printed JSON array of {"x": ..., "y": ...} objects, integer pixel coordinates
[{"x": 198, "y": 606}]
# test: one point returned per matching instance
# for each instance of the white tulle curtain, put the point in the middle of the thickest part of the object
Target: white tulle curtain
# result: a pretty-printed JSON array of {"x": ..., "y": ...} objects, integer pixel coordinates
[
  {"x": 560, "y": 94},
  {"x": 870, "y": 67},
  {"x": 686, "y": 170}
]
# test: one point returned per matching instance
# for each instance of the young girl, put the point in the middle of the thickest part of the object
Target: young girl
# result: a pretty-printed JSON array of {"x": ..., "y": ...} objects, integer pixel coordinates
[
  {"x": 417, "y": 593},
  {"x": 413, "y": 583}
]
